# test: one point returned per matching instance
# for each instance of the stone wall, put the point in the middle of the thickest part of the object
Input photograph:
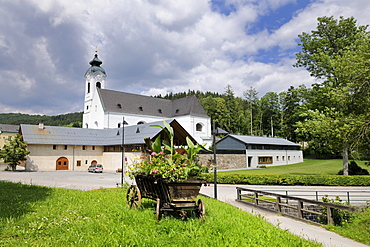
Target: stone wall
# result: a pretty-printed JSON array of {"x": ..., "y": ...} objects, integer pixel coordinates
[{"x": 225, "y": 161}]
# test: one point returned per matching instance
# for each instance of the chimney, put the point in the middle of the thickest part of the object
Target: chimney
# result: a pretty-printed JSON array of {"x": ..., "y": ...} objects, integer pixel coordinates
[{"x": 41, "y": 126}]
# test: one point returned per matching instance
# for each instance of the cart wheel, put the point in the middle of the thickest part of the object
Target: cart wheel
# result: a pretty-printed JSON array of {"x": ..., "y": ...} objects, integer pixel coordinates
[
  {"x": 133, "y": 197},
  {"x": 201, "y": 209},
  {"x": 183, "y": 214},
  {"x": 158, "y": 210}
]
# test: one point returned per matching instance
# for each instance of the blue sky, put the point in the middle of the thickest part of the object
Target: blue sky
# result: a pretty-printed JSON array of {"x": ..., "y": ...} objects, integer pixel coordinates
[{"x": 153, "y": 47}]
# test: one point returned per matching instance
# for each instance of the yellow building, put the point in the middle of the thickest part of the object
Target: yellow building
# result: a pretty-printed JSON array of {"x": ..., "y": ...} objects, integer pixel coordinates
[{"x": 6, "y": 131}]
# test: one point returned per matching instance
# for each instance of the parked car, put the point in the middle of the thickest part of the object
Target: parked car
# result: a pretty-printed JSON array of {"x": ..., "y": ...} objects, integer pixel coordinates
[{"x": 95, "y": 168}]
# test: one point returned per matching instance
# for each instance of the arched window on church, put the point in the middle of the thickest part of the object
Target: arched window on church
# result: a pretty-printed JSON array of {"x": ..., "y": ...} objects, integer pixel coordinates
[
  {"x": 199, "y": 127},
  {"x": 88, "y": 87},
  {"x": 98, "y": 84}
]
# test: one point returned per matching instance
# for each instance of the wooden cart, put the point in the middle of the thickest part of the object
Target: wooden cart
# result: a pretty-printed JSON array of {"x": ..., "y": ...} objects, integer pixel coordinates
[{"x": 178, "y": 196}]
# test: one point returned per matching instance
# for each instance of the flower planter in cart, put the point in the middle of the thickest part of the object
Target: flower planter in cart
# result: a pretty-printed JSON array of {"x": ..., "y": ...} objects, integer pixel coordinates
[{"x": 172, "y": 196}]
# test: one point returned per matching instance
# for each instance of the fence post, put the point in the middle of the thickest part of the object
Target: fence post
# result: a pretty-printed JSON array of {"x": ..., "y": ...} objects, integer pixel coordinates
[
  {"x": 286, "y": 193},
  {"x": 299, "y": 207},
  {"x": 330, "y": 216},
  {"x": 256, "y": 198},
  {"x": 348, "y": 197},
  {"x": 238, "y": 194},
  {"x": 317, "y": 195},
  {"x": 278, "y": 206}
]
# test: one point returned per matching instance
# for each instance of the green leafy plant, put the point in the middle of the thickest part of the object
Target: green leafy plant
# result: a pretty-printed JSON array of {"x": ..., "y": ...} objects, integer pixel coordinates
[
  {"x": 14, "y": 152},
  {"x": 340, "y": 216},
  {"x": 164, "y": 162},
  {"x": 354, "y": 169},
  {"x": 307, "y": 180}
]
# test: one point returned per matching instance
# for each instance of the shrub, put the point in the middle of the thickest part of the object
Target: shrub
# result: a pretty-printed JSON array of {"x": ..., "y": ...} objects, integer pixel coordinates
[
  {"x": 354, "y": 169},
  {"x": 307, "y": 180},
  {"x": 340, "y": 216}
]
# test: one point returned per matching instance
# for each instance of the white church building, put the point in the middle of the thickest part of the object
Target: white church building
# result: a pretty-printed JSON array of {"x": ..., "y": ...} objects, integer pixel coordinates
[
  {"x": 106, "y": 109},
  {"x": 103, "y": 140}
]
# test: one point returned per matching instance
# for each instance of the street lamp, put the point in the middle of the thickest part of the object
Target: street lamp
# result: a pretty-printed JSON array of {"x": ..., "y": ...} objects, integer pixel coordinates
[
  {"x": 216, "y": 131},
  {"x": 214, "y": 161},
  {"x": 123, "y": 149}
]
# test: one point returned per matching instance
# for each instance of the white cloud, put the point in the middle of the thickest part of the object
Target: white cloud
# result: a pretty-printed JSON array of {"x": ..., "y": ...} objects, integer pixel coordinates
[{"x": 150, "y": 47}]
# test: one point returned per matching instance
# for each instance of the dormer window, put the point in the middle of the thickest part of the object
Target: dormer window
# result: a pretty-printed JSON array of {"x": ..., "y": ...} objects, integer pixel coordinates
[
  {"x": 177, "y": 111},
  {"x": 119, "y": 106},
  {"x": 140, "y": 108},
  {"x": 160, "y": 110}
]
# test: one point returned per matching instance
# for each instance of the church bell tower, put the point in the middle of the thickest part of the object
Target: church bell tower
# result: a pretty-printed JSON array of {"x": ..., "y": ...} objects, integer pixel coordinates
[{"x": 95, "y": 79}]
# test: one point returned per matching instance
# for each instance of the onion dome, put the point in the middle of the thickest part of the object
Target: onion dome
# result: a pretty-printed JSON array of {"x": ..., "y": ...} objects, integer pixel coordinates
[{"x": 95, "y": 66}]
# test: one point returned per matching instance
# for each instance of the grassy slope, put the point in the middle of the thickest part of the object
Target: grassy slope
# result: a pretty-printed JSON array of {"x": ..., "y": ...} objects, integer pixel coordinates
[
  {"x": 308, "y": 167},
  {"x": 39, "y": 216},
  {"x": 358, "y": 229}
]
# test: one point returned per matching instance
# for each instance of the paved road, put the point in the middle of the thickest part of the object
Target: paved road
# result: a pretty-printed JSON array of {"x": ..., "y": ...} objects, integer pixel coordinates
[
  {"x": 226, "y": 193},
  {"x": 66, "y": 179}
]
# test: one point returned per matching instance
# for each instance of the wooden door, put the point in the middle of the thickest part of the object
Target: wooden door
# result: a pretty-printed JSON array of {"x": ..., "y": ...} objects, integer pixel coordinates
[{"x": 62, "y": 163}]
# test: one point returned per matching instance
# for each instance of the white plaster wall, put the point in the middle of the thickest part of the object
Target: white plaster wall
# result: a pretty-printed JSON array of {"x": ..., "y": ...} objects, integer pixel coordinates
[
  {"x": 112, "y": 161},
  {"x": 296, "y": 156},
  {"x": 95, "y": 117},
  {"x": 111, "y": 120},
  {"x": 187, "y": 122},
  {"x": 43, "y": 157}
]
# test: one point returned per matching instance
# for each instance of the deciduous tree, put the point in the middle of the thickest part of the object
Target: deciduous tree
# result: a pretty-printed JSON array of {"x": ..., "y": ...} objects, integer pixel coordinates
[{"x": 14, "y": 152}]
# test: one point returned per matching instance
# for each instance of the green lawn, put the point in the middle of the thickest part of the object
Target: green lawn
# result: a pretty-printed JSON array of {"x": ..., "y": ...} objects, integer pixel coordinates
[
  {"x": 40, "y": 216},
  {"x": 308, "y": 167}
]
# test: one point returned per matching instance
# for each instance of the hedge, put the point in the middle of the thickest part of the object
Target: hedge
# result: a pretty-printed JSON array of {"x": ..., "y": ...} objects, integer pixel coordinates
[{"x": 307, "y": 180}]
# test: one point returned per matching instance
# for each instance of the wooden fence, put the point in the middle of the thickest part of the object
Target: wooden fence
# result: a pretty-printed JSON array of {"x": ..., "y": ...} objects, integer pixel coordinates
[{"x": 262, "y": 198}]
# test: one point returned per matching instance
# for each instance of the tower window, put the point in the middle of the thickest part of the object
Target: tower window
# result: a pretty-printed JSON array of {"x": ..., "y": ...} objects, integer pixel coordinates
[
  {"x": 98, "y": 84},
  {"x": 88, "y": 87},
  {"x": 199, "y": 127}
]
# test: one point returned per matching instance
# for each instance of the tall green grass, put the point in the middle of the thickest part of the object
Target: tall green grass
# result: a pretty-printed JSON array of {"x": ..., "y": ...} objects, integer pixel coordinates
[
  {"x": 357, "y": 229},
  {"x": 39, "y": 216},
  {"x": 308, "y": 167}
]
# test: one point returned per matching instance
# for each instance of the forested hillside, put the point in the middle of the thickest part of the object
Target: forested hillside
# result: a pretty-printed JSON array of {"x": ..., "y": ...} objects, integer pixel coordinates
[
  {"x": 70, "y": 119},
  {"x": 272, "y": 115}
]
